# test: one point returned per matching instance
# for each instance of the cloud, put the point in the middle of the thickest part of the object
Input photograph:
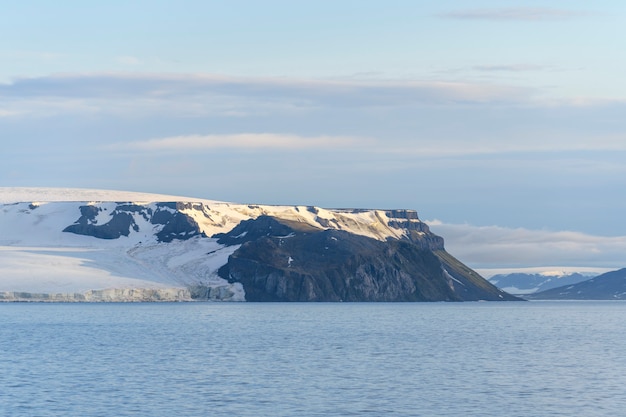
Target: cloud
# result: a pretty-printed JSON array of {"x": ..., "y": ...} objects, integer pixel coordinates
[
  {"x": 494, "y": 247},
  {"x": 192, "y": 95},
  {"x": 406, "y": 120},
  {"x": 519, "y": 14},
  {"x": 239, "y": 141},
  {"x": 300, "y": 92},
  {"x": 564, "y": 151}
]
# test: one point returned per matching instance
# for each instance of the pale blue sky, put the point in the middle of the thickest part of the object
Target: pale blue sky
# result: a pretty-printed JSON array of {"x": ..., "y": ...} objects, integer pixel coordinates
[{"x": 482, "y": 113}]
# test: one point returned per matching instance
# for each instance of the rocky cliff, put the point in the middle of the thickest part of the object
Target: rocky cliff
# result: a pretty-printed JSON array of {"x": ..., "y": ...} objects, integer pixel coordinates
[{"x": 278, "y": 261}]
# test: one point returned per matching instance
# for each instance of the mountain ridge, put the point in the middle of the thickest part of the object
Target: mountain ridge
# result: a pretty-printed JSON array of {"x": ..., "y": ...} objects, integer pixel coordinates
[
  {"x": 608, "y": 286},
  {"x": 520, "y": 283}
]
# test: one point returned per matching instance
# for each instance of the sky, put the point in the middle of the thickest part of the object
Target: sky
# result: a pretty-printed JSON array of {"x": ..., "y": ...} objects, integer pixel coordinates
[{"x": 501, "y": 122}]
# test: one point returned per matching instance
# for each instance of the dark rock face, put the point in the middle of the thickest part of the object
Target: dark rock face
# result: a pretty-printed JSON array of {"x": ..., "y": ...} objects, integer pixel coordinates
[
  {"x": 284, "y": 264},
  {"x": 336, "y": 266},
  {"x": 176, "y": 225},
  {"x": 253, "y": 229},
  {"x": 119, "y": 225},
  {"x": 608, "y": 286}
]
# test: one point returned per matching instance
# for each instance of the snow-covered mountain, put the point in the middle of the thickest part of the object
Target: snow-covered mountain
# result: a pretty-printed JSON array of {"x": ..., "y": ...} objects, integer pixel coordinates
[
  {"x": 608, "y": 286},
  {"x": 521, "y": 283},
  {"x": 94, "y": 245}
]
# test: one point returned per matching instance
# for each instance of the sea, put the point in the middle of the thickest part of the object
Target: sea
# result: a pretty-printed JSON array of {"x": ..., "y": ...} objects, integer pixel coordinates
[{"x": 564, "y": 358}]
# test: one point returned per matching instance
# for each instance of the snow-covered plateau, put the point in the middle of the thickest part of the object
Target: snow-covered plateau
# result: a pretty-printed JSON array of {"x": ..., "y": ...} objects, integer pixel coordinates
[{"x": 94, "y": 245}]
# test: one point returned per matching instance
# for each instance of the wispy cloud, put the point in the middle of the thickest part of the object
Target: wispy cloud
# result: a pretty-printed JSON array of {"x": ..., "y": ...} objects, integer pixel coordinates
[
  {"x": 519, "y": 14},
  {"x": 398, "y": 150},
  {"x": 494, "y": 247},
  {"x": 196, "y": 94},
  {"x": 303, "y": 92},
  {"x": 240, "y": 141}
]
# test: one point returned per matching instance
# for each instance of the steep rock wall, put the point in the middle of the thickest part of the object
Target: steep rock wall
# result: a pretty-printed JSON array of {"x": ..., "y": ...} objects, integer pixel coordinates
[{"x": 278, "y": 263}]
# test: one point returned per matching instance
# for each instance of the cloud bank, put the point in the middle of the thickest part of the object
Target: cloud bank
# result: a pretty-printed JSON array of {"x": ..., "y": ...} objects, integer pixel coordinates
[
  {"x": 500, "y": 248},
  {"x": 333, "y": 92}
]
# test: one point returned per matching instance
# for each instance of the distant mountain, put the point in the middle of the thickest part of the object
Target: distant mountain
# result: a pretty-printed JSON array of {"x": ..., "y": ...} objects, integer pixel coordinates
[
  {"x": 522, "y": 283},
  {"x": 608, "y": 286},
  {"x": 91, "y": 245}
]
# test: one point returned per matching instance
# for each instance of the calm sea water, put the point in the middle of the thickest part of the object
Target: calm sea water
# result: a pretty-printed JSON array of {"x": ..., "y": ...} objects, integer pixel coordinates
[{"x": 220, "y": 359}]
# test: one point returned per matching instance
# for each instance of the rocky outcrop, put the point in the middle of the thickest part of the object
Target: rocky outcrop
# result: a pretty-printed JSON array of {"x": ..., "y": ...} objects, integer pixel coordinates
[
  {"x": 175, "y": 224},
  {"x": 254, "y": 229},
  {"x": 279, "y": 263},
  {"x": 416, "y": 231},
  {"x": 119, "y": 224}
]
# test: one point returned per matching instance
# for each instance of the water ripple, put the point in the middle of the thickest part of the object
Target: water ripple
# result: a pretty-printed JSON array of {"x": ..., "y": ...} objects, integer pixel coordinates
[{"x": 470, "y": 359}]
